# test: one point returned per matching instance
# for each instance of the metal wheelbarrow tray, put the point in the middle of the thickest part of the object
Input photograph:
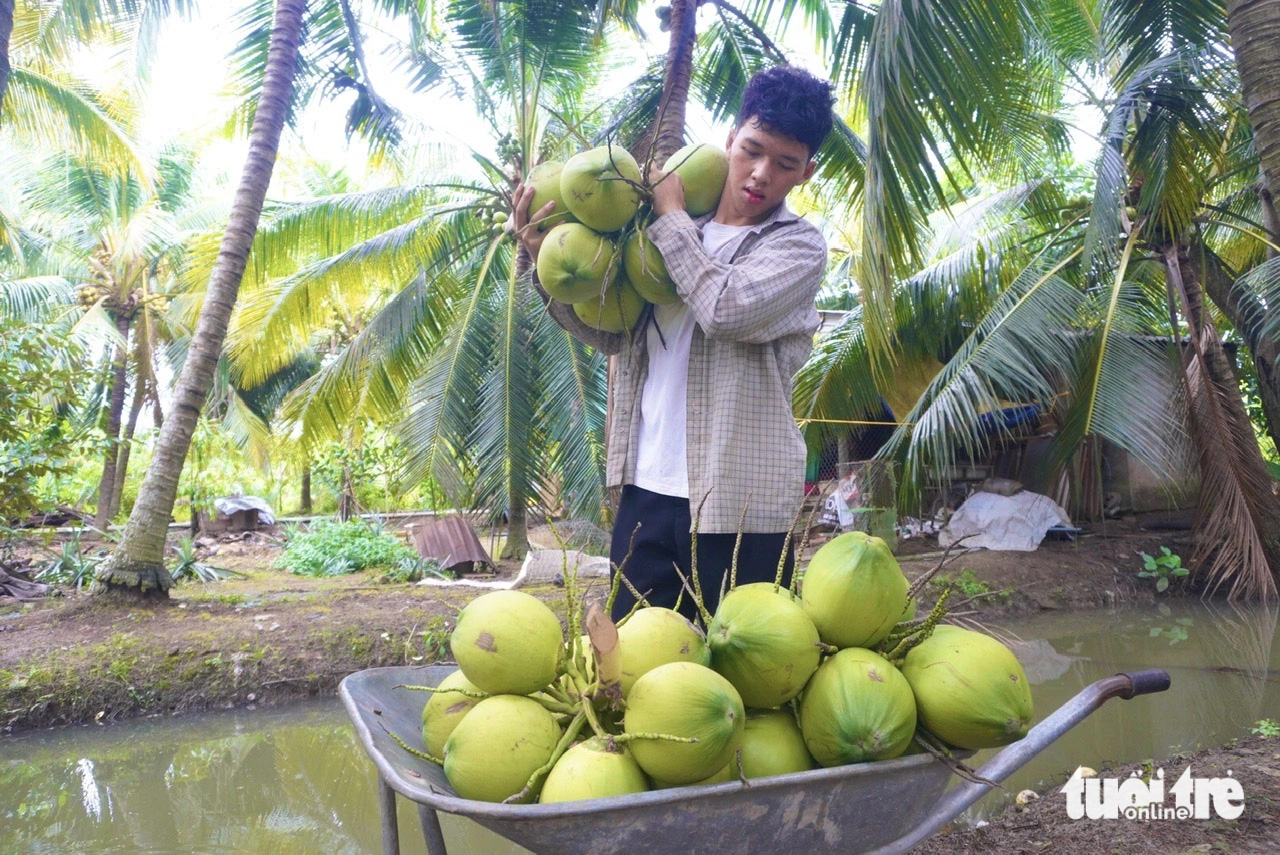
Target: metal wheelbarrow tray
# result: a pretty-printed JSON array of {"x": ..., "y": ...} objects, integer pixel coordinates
[{"x": 885, "y": 806}]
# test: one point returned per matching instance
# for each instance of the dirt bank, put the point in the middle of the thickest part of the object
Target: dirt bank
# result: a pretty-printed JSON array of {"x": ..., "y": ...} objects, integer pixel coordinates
[
  {"x": 1044, "y": 826},
  {"x": 273, "y": 636}
]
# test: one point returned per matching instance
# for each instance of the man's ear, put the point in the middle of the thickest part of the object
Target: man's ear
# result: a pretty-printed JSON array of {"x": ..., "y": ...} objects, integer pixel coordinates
[
  {"x": 808, "y": 170},
  {"x": 728, "y": 143}
]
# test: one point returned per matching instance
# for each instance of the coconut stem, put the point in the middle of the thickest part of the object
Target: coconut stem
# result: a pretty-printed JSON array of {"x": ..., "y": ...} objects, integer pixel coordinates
[
  {"x": 407, "y": 747},
  {"x": 441, "y": 690},
  {"x": 918, "y": 585},
  {"x": 589, "y": 711},
  {"x": 828, "y": 649},
  {"x": 620, "y": 578},
  {"x": 939, "y": 749},
  {"x": 903, "y": 647},
  {"x": 804, "y": 544},
  {"x": 566, "y": 739},
  {"x": 693, "y": 560},
  {"x": 737, "y": 544},
  {"x": 786, "y": 544},
  {"x": 623, "y": 738}
]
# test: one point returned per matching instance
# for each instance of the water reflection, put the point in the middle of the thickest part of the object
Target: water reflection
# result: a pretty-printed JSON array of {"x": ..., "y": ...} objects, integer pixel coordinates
[{"x": 295, "y": 779}]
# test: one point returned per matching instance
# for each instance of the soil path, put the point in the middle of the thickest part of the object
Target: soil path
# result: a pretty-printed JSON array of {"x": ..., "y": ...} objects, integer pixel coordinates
[{"x": 1044, "y": 826}]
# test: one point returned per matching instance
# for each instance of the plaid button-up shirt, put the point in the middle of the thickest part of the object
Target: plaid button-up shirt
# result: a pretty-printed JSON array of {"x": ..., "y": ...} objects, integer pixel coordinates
[{"x": 755, "y": 325}]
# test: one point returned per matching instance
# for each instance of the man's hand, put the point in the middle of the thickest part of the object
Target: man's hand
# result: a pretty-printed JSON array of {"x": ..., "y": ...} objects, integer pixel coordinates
[
  {"x": 668, "y": 192},
  {"x": 518, "y": 222}
]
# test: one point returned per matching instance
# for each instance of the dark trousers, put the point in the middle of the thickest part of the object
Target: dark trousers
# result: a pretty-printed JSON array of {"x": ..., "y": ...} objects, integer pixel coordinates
[{"x": 663, "y": 542}]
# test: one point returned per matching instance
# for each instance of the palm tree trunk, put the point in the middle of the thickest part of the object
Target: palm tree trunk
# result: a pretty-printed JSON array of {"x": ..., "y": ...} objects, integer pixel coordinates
[
  {"x": 1240, "y": 306},
  {"x": 305, "y": 508},
  {"x": 6, "y": 29},
  {"x": 137, "y": 565},
  {"x": 126, "y": 444},
  {"x": 1254, "y": 26},
  {"x": 517, "y": 528},
  {"x": 1237, "y": 523},
  {"x": 669, "y": 136},
  {"x": 115, "y": 407}
]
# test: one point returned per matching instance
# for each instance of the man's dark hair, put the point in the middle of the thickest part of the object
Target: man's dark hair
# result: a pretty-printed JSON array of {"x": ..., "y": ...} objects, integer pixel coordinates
[{"x": 789, "y": 101}]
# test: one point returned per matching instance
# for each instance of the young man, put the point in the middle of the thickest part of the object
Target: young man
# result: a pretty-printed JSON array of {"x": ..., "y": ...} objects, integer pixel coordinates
[{"x": 702, "y": 394}]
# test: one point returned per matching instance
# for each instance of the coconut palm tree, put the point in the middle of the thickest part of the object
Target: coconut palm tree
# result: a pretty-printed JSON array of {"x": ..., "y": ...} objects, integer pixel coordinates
[
  {"x": 42, "y": 100},
  {"x": 1093, "y": 282},
  {"x": 137, "y": 565},
  {"x": 417, "y": 299}
]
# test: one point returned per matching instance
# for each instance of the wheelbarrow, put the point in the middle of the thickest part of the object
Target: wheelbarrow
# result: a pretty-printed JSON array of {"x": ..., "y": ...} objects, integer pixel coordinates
[{"x": 886, "y": 806}]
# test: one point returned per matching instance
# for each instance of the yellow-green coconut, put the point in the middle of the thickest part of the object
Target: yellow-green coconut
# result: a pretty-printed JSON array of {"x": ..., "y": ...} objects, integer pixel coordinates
[
  {"x": 854, "y": 591},
  {"x": 497, "y": 747},
  {"x": 772, "y": 744},
  {"x": 703, "y": 170},
  {"x": 655, "y": 636},
  {"x": 617, "y": 311},
  {"x": 857, "y": 707},
  {"x": 545, "y": 180},
  {"x": 508, "y": 642},
  {"x": 444, "y": 709},
  {"x": 689, "y": 701},
  {"x": 646, "y": 271},
  {"x": 594, "y": 190},
  {"x": 762, "y": 641},
  {"x": 970, "y": 689},
  {"x": 574, "y": 262},
  {"x": 593, "y": 770}
]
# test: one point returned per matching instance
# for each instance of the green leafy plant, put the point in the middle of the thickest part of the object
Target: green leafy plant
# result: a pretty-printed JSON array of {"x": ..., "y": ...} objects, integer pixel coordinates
[
  {"x": 414, "y": 569},
  {"x": 1268, "y": 727},
  {"x": 1162, "y": 568},
  {"x": 968, "y": 585},
  {"x": 1176, "y": 633},
  {"x": 332, "y": 548},
  {"x": 187, "y": 567},
  {"x": 73, "y": 566}
]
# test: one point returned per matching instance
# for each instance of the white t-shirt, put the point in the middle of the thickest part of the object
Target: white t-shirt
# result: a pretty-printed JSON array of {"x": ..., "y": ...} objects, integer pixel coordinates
[{"x": 661, "y": 460}]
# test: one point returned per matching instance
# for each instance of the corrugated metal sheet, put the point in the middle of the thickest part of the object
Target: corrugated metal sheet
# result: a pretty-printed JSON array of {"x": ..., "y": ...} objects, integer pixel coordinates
[{"x": 449, "y": 540}]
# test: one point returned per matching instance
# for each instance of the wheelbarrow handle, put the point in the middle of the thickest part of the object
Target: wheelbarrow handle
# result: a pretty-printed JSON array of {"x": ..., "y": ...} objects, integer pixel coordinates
[{"x": 1013, "y": 757}]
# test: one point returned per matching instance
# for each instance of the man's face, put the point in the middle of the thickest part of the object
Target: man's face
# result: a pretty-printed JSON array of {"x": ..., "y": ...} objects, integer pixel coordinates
[{"x": 763, "y": 168}]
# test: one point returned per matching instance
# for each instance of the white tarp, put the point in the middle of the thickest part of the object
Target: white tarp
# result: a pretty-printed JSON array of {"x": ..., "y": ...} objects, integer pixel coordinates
[
  {"x": 228, "y": 505},
  {"x": 1014, "y": 523}
]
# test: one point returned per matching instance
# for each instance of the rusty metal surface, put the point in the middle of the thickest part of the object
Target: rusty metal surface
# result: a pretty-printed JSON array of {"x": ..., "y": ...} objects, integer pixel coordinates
[{"x": 449, "y": 540}]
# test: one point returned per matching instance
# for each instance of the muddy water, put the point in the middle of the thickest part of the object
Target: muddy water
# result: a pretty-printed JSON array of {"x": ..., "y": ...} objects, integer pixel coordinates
[{"x": 295, "y": 780}]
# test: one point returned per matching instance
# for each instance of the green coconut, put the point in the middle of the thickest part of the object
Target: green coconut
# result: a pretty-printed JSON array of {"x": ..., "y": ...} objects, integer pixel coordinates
[
  {"x": 444, "y": 710},
  {"x": 593, "y": 770},
  {"x": 545, "y": 180},
  {"x": 690, "y": 701},
  {"x": 493, "y": 752},
  {"x": 617, "y": 311},
  {"x": 772, "y": 744},
  {"x": 594, "y": 190},
  {"x": 728, "y": 773},
  {"x": 857, "y": 707},
  {"x": 762, "y": 641},
  {"x": 970, "y": 689},
  {"x": 508, "y": 642},
  {"x": 646, "y": 271},
  {"x": 574, "y": 262},
  {"x": 703, "y": 170},
  {"x": 854, "y": 591},
  {"x": 655, "y": 636}
]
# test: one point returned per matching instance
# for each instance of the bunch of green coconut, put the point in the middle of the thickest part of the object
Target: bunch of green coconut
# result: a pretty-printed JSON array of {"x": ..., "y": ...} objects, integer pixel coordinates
[
  {"x": 841, "y": 672},
  {"x": 595, "y": 256}
]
